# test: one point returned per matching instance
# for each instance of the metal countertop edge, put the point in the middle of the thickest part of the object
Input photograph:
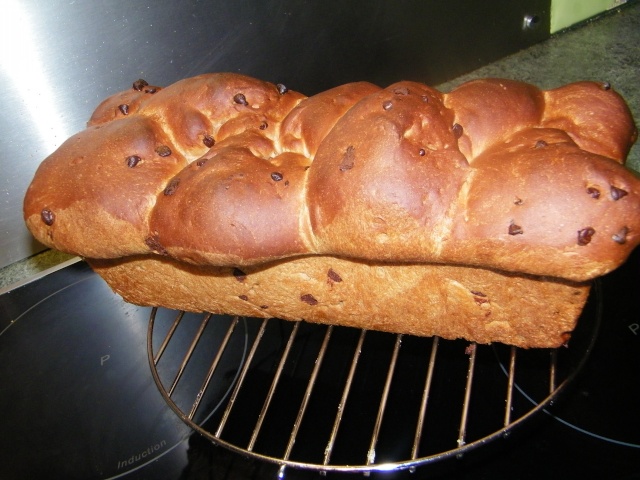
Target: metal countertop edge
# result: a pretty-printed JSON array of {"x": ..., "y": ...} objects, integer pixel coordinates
[{"x": 39, "y": 275}]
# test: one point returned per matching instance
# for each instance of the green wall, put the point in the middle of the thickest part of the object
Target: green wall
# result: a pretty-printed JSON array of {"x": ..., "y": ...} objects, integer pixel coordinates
[{"x": 565, "y": 13}]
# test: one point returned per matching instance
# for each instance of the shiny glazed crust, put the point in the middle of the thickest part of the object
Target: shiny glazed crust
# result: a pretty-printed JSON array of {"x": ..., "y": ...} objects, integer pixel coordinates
[{"x": 225, "y": 171}]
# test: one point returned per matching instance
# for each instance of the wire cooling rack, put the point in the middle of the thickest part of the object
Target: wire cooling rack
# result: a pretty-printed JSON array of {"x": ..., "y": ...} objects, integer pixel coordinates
[{"x": 336, "y": 399}]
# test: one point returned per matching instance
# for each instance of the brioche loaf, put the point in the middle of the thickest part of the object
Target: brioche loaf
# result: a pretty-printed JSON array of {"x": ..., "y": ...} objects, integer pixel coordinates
[{"x": 482, "y": 213}]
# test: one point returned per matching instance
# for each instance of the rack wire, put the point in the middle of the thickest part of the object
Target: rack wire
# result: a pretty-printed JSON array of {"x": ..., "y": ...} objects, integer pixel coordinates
[{"x": 336, "y": 399}]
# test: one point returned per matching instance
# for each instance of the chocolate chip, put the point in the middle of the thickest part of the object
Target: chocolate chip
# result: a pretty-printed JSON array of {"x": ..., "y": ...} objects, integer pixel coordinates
[
  {"x": 243, "y": 297},
  {"x": 477, "y": 293},
  {"x": 153, "y": 242},
  {"x": 584, "y": 236},
  {"x": 139, "y": 84},
  {"x": 47, "y": 216},
  {"x": 593, "y": 192},
  {"x": 618, "y": 193},
  {"x": 124, "y": 109},
  {"x": 541, "y": 144},
  {"x": 172, "y": 187},
  {"x": 606, "y": 86},
  {"x": 425, "y": 99},
  {"x": 387, "y": 105},
  {"x": 202, "y": 161},
  {"x": 621, "y": 236},
  {"x": 239, "y": 274},
  {"x": 348, "y": 159},
  {"x": 422, "y": 152},
  {"x": 333, "y": 276},
  {"x": 264, "y": 125},
  {"x": 282, "y": 89},
  {"x": 286, "y": 183},
  {"x": 208, "y": 141},
  {"x": 240, "y": 99},
  {"x": 401, "y": 91},
  {"x": 133, "y": 160},
  {"x": 309, "y": 299},
  {"x": 163, "y": 151},
  {"x": 151, "y": 90},
  {"x": 457, "y": 130},
  {"x": 264, "y": 307},
  {"x": 515, "y": 229},
  {"x": 518, "y": 201},
  {"x": 276, "y": 176}
]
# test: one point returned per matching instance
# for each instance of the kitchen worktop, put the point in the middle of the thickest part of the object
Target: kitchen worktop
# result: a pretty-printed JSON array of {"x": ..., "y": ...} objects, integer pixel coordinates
[{"x": 603, "y": 49}]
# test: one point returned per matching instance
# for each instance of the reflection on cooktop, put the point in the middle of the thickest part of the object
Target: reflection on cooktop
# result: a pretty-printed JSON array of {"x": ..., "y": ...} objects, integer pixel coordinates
[{"x": 78, "y": 399}]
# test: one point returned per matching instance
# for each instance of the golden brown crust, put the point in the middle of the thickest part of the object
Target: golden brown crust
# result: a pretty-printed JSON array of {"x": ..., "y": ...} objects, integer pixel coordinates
[
  {"x": 222, "y": 171},
  {"x": 225, "y": 169},
  {"x": 448, "y": 301}
]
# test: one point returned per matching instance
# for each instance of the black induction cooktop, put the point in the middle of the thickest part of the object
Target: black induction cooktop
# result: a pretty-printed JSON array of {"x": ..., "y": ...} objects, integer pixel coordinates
[{"x": 77, "y": 397}]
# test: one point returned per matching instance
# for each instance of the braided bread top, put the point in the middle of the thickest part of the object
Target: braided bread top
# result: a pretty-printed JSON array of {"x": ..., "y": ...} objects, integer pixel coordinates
[{"x": 224, "y": 169}]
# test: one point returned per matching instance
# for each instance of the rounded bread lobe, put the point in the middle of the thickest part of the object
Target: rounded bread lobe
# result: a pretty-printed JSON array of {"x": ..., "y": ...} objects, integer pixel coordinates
[
  {"x": 306, "y": 126},
  {"x": 384, "y": 179},
  {"x": 247, "y": 208},
  {"x": 490, "y": 110},
  {"x": 102, "y": 184},
  {"x": 594, "y": 116},
  {"x": 562, "y": 205}
]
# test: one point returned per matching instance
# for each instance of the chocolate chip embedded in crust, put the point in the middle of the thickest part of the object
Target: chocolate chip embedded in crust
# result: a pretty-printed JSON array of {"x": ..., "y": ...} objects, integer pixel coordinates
[
  {"x": 124, "y": 109},
  {"x": 239, "y": 275},
  {"x": 163, "y": 151},
  {"x": 515, "y": 229},
  {"x": 276, "y": 176},
  {"x": 282, "y": 89},
  {"x": 401, "y": 91},
  {"x": 309, "y": 299},
  {"x": 618, "y": 193},
  {"x": 243, "y": 297},
  {"x": 334, "y": 276},
  {"x": 593, "y": 192},
  {"x": 208, "y": 141},
  {"x": 518, "y": 201},
  {"x": 387, "y": 105},
  {"x": 621, "y": 236},
  {"x": 172, "y": 187},
  {"x": 151, "y": 90},
  {"x": 606, "y": 86},
  {"x": 348, "y": 159},
  {"x": 153, "y": 242},
  {"x": 479, "y": 297},
  {"x": 540, "y": 144},
  {"x": 584, "y": 236},
  {"x": 133, "y": 160},
  {"x": 263, "y": 126},
  {"x": 140, "y": 84},
  {"x": 47, "y": 216},
  {"x": 240, "y": 99},
  {"x": 457, "y": 130},
  {"x": 422, "y": 152},
  {"x": 201, "y": 162}
]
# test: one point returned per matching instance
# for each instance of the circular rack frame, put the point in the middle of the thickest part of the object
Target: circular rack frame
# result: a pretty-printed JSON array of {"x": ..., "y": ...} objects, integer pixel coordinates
[{"x": 336, "y": 399}]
